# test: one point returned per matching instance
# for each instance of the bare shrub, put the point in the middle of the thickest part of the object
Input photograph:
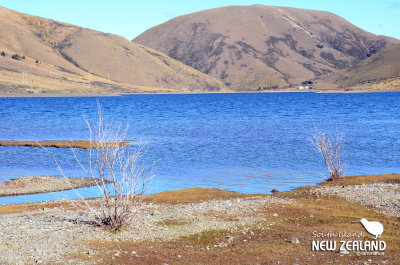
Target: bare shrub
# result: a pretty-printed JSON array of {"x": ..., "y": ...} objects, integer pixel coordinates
[
  {"x": 331, "y": 149},
  {"x": 115, "y": 166}
]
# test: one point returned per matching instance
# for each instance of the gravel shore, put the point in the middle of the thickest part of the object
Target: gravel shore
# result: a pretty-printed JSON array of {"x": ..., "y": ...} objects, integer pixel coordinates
[
  {"x": 34, "y": 185},
  {"x": 48, "y": 236},
  {"x": 51, "y": 233},
  {"x": 80, "y": 144},
  {"x": 384, "y": 197}
]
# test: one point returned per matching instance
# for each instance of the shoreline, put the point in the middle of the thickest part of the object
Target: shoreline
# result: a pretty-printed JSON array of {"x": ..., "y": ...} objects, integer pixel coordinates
[
  {"x": 43, "y": 184},
  {"x": 57, "y": 184},
  {"x": 283, "y": 90},
  {"x": 59, "y": 95},
  {"x": 203, "y": 225},
  {"x": 79, "y": 144}
]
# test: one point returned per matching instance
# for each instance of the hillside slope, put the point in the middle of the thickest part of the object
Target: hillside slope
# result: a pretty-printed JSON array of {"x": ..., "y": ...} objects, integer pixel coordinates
[
  {"x": 380, "y": 67},
  {"x": 256, "y": 47},
  {"x": 67, "y": 58}
]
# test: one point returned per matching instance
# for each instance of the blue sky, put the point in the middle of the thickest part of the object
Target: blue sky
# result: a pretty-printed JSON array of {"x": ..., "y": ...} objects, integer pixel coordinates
[{"x": 130, "y": 18}]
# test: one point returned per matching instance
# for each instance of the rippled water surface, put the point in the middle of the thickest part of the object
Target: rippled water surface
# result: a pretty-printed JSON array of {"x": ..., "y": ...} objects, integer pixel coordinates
[{"x": 243, "y": 142}]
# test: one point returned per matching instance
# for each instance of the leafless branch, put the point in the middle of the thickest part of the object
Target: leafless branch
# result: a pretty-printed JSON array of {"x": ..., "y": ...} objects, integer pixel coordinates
[
  {"x": 331, "y": 150},
  {"x": 121, "y": 179}
]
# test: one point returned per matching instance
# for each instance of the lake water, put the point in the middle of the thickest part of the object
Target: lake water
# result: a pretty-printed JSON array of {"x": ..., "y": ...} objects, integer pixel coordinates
[{"x": 249, "y": 142}]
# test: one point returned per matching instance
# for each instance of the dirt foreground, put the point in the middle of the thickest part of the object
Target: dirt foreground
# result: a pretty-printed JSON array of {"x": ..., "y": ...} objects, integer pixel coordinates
[{"x": 211, "y": 226}]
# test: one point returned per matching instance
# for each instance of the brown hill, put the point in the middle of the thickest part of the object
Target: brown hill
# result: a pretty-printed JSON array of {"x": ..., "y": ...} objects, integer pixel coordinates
[
  {"x": 60, "y": 57},
  {"x": 256, "y": 47},
  {"x": 382, "y": 67}
]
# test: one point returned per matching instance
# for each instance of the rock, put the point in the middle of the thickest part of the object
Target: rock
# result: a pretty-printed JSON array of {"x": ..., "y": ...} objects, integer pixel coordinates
[
  {"x": 344, "y": 251},
  {"x": 15, "y": 246},
  {"x": 275, "y": 215},
  {"x": 229, "y": 239},
  {"x": 133, "y": 252},
  {"x": 381, "y": 196},
  {"x": 295, "y": 240}
]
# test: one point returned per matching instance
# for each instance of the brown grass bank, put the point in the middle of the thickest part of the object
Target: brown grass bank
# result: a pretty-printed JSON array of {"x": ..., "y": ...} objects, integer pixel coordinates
[{"x": 80, "y": 144}]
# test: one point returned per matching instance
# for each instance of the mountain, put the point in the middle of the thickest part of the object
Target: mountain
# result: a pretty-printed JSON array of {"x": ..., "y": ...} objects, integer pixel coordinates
[
  {"x": 382, "y": 68},
  {"x": 59, "y": 57},
  {"x": 258, "y": 47}
]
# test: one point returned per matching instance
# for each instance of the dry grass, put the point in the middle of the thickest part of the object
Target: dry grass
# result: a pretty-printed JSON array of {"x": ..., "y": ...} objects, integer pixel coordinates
[
  {"x": 268, "y": 242},
  {"x": 21, "y": 208},
  {"x": 172, "y": 222},
  {"x": 363, "y": 179},
  {"x": 167, "y": 197},
  {"x": 193, "y": 195},
  {"x": 382, "y": 67},
  {"x": 78, "y": 60},
  {"x": 80, "y": 144},
  {"x": 52, "y": 82},
  {"x": 271, "y": 53}
]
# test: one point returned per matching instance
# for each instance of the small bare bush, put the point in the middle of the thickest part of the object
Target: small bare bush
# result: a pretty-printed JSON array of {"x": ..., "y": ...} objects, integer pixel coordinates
[
  {"x": 115, "y": 166},
  {"x": 331, "y": 149}
]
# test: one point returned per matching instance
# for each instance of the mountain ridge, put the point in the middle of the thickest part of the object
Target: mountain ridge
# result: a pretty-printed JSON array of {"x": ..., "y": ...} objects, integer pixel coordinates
[
  {"x": 253, "y": 47},
  {"x": 60, "y": 56}
]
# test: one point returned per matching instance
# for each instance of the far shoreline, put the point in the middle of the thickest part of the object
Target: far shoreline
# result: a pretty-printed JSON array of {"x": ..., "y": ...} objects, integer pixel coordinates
[
  {"x": 78, "y": 144},
  {"x": 59, "y": 184},
  {"x": 283, "y": 90},
  {"x": 20, "y": 186},
  {"x": 58, "y": 95}
]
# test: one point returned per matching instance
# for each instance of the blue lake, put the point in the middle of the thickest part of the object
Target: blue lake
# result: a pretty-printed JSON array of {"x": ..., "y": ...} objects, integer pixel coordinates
[{"x": 250, "y": 142}]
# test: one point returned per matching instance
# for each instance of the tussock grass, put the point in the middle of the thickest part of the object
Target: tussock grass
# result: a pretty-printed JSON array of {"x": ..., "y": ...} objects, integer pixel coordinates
[
  {"x": 269, "y": 241},
  {"x": 193, "y": 195}
]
